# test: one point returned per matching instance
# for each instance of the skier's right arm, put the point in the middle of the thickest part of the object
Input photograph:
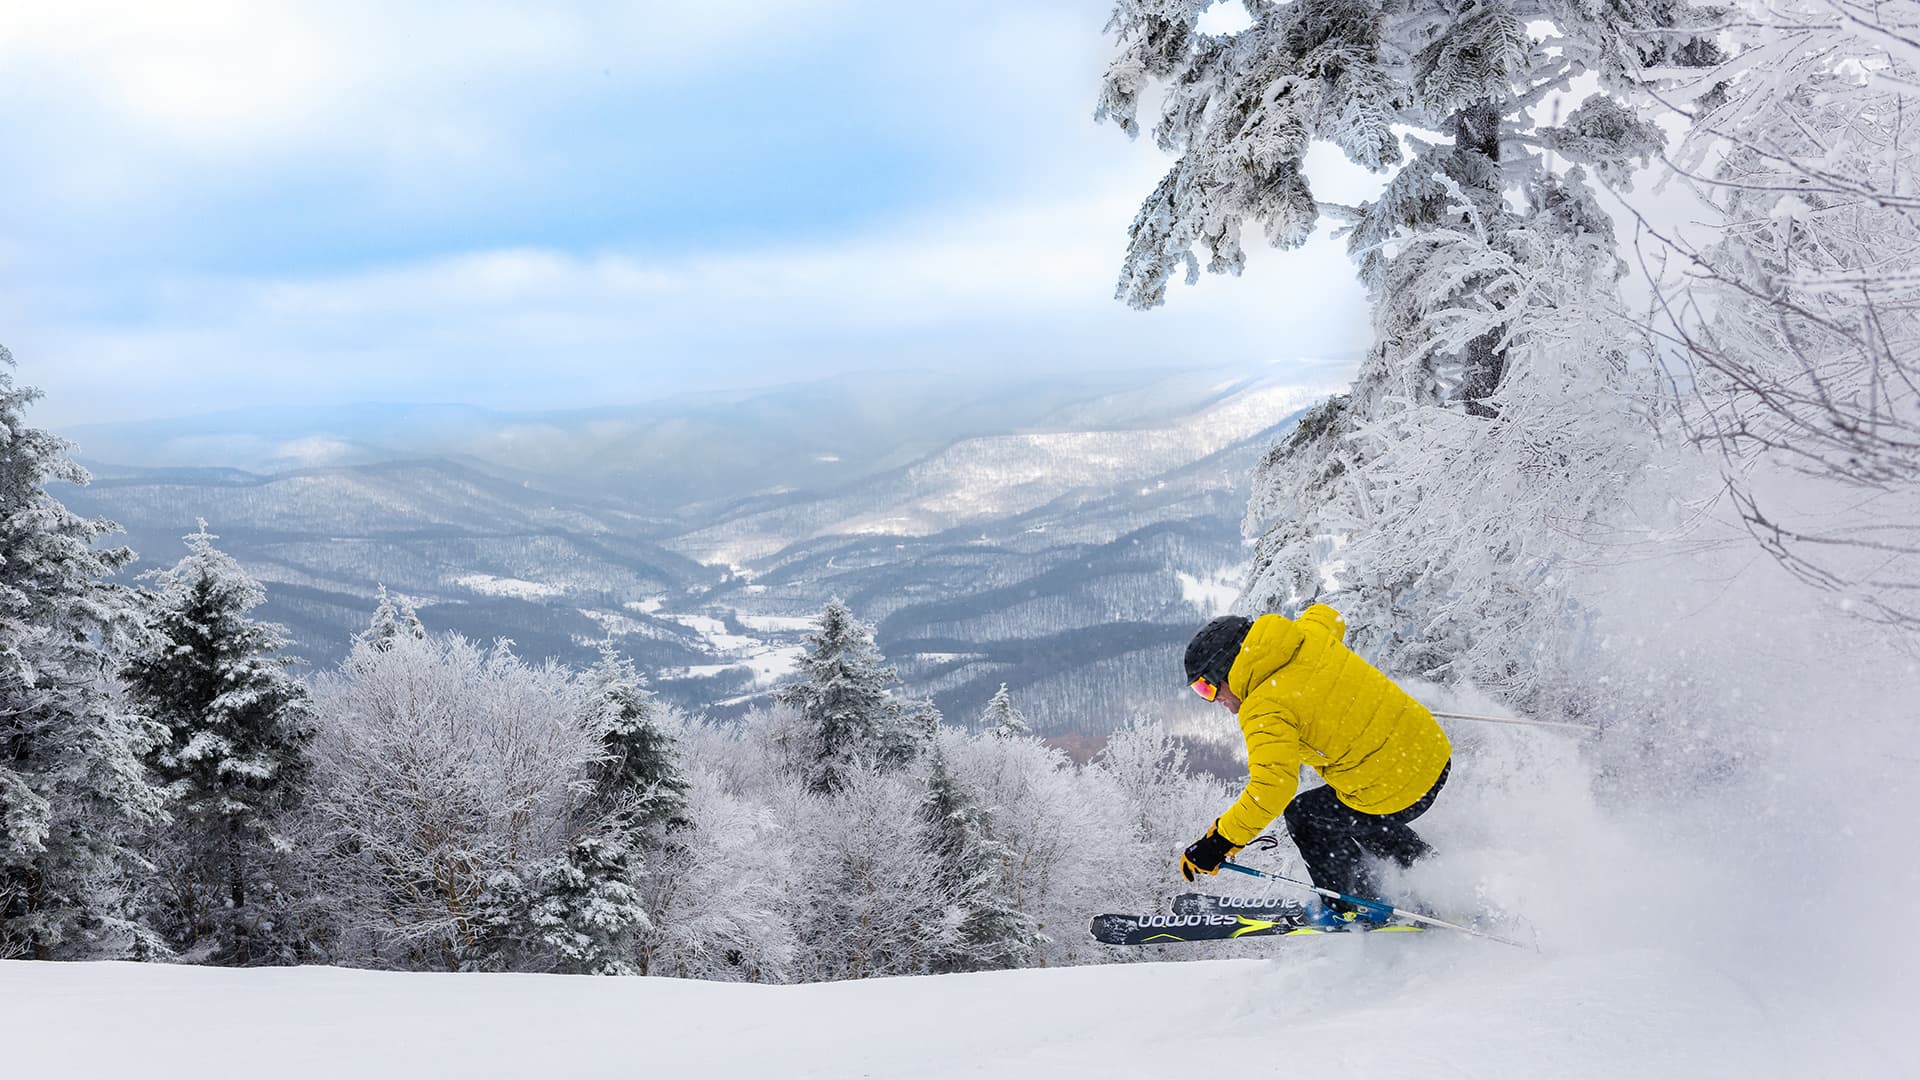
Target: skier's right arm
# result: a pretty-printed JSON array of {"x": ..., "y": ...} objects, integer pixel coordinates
[{"x": 1273, "y": 774}]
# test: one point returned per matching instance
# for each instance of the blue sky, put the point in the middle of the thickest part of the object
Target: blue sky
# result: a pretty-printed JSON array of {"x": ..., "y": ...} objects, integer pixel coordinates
[{"x": 224, "y": 205}]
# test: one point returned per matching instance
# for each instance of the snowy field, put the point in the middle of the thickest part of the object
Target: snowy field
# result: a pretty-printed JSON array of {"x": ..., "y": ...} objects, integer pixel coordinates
[{"x": 1400, "y": 1006}]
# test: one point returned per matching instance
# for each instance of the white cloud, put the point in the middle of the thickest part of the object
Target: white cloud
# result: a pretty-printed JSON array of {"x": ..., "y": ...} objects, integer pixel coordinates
[
  {"x": 1022, "y": 285},
  {"x": 119, "y": 100},
  {"x": 441, "y": 113},
  {"x": 238, "y": 71}
]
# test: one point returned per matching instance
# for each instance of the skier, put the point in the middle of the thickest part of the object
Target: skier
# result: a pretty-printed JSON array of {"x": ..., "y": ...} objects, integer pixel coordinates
[{"x": 1302, "y": 696}]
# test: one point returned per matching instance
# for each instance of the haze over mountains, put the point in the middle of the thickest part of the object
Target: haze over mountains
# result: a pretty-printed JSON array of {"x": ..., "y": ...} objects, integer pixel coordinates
[{"x": 1053, "y": 530}]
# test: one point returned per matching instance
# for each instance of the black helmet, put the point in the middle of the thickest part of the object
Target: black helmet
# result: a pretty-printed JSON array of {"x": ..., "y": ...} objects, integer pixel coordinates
[{"x": 1211, "y": 652}]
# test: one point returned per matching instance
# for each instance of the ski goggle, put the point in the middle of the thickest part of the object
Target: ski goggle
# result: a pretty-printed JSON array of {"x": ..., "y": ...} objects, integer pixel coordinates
[{"x": 1205, "y": 688}]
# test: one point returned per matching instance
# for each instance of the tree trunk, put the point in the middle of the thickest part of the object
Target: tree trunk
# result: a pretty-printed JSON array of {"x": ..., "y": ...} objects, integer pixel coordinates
[
  {"x": 237, "y": 893},
  {"x": 1476, "y": 130}
]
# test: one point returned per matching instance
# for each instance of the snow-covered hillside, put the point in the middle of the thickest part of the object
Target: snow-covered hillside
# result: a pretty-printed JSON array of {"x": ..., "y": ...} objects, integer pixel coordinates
[
  {"x": 1331, "y": 1007},
  {"x": 991, "y": 477}
]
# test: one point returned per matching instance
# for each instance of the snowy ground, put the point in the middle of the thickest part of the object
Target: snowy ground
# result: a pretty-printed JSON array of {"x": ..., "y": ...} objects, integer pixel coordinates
[{"x": 1419, "y": 1007}]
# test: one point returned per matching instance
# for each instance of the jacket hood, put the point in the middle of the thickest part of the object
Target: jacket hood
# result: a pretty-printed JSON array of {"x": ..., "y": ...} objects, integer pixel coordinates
[{"x": 1271, "y": 644}]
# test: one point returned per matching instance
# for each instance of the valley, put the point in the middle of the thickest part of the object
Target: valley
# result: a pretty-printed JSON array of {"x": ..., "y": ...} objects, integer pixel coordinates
[{"x": 1074, "y": 543}]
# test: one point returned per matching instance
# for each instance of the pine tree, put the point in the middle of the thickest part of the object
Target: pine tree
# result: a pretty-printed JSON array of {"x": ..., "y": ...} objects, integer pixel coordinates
[
  {"x": 73, "y": 793},
  {"x": 1002, "y": 719},
  {"x": 991, "y": 932},
  {"x": 589, "y": 913},
  {"x": 1490, "y": 266},
  {"x": 393, "y": 618},
  {"x": 907, "y": 730},
  {"x": 843, "y": 696},
  {"x": 236, "y": 752},
  {"x": 640, "y": 773},
  {"x": 593, "y": 905}
]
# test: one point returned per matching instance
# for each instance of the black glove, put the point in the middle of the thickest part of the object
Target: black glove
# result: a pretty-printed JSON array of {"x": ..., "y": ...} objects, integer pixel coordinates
[{"x": 1205, "y": 855}]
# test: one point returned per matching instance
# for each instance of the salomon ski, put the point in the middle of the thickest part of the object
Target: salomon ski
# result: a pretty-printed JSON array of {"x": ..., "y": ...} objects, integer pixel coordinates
[
  {"x": 1217, "y": 926},
  {"x": 1260, "y": 907}
]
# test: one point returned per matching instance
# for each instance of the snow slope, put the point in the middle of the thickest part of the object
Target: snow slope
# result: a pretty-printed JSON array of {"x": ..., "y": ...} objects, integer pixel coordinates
[
  {"x": 1400, "y": 1006},
  {"x": 1755, "y": 926}
]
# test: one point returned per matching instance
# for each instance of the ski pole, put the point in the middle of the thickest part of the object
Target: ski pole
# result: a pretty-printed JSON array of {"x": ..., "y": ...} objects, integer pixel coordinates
[
  {"x": 1374, "y": 905},
  {"x": 1513, "y": 720}
]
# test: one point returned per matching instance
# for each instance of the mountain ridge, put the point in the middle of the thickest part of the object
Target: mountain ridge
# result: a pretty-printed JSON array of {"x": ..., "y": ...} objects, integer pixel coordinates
[{"x": 1054, "y": 536}]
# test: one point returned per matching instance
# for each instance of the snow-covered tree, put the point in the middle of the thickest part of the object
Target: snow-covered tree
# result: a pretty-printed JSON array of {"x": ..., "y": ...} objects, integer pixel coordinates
[
  {"x": 1488, "y": 259},
  {"x": 843, "y": 696},
  {"x": 1001, "y": 718},
  {"x": 907, "y": 731},
  {"x": 394, "y": 617},
  {"x": 721, "y": 893},
  {"x": 721, "y": 902},
  {"x": 1793, "y": 317},
  {"x": 73, "y": 793},
  {"x": 720, "y": 896},
  {"x": 639, "y": 772},
  {"x": 1163, "y": 803},
  {"x": 440, "y": 766},
  {"x": 974, "y": 872},
  {"x": 587, "y": 911},
  {"x": 871, "y": 894},
  {"x": 1070, "y": 840},
  {"x": 234, "y": 758}
]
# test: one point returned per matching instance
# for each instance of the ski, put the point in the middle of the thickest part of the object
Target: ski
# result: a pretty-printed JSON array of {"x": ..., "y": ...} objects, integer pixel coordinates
[
  {"x": 1260, "y": 907},
  {"x": 1217, "y": 925}
]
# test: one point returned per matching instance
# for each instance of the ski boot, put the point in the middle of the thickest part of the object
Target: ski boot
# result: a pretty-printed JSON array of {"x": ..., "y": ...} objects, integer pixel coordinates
[
  {"x": 1321, "y": 915},
  {"x": 1333, "y": 915},
  {"x": 1370, "y": 918}
]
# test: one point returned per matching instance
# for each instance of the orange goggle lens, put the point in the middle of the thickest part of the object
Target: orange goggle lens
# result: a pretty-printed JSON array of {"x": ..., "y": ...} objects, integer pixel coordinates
[{"x": 1205, "y": 688}]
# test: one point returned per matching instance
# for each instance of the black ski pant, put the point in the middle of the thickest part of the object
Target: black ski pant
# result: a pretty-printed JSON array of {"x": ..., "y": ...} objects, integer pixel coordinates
[{"x": 1339, "y": 842}]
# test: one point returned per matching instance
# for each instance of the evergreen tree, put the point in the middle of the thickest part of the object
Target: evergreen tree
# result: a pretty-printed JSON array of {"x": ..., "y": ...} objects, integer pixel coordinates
[
  {"x": 589, "y": 914},
  {"x": 235, "y": 754},
  {"x": 73, "y": 794},
  {"x": 991, "y": 932},
  {"x": 1002, "y": 719},
  {"x": 592, "y": 906},
  {"x": 907, "y": 730},
  {"x": 393, "y": 618},
  {"x": 843, "y": 696},
  {"x": 640, "y": 773}
]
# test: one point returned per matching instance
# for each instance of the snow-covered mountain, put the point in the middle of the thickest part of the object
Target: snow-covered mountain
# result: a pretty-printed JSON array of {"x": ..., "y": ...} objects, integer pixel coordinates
[
  {"x": 1056, "y": 530},
  {"x": 992, "y": 477}
]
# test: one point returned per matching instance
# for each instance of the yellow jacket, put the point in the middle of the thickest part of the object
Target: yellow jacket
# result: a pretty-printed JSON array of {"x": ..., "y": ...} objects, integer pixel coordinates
[{"x": 1308, "y": 699}]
